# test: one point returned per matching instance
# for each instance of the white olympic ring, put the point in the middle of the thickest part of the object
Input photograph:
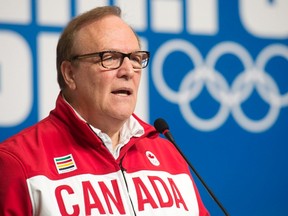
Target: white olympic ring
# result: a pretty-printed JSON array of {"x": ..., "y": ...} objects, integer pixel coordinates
[{"x": 230, "y": 98}]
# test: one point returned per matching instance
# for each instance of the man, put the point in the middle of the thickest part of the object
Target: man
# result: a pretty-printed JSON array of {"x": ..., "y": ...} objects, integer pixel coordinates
[{"x": 92, "y": 155}]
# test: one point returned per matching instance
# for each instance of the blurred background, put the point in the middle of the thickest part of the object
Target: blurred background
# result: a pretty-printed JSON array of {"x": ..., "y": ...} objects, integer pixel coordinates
[{"x": 218, "y": 74}]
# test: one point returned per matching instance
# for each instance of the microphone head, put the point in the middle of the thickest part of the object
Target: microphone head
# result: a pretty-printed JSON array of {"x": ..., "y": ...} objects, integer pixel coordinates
[{"x": 161, "y": 125}]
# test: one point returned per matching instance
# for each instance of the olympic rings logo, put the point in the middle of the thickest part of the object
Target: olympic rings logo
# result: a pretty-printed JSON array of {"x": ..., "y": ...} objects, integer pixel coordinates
[{"x": 230, "y": 97}]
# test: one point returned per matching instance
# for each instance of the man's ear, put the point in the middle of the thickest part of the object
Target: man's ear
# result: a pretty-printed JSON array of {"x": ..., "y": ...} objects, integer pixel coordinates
[{"x": 68, "y": 74}]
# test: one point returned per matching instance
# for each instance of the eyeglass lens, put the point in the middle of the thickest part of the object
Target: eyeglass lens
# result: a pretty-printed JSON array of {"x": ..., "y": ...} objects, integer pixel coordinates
[{"x": 113, "y": 60}]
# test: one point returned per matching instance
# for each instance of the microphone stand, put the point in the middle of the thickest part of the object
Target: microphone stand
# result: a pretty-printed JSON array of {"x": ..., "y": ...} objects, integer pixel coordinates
[
  {"x": 162, "y": 127},
  {"x": 168, "y": 135}
]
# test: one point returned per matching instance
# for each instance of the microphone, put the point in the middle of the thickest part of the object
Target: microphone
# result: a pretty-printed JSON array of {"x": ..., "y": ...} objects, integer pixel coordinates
[{"x": 163, "y": 128}]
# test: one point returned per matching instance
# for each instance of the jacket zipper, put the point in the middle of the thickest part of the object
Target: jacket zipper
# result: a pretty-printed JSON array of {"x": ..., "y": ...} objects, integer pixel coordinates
[
  {"x": 122, "y": 171},
  {"x": 124, "y": 177}
]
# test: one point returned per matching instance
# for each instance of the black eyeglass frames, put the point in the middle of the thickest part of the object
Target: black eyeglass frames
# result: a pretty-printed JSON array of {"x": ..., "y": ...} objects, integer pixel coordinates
[{"x": 114, "y": 59}]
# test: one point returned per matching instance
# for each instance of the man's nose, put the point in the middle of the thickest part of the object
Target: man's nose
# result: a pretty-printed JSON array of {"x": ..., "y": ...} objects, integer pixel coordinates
[{"x": 126, "y": 69}]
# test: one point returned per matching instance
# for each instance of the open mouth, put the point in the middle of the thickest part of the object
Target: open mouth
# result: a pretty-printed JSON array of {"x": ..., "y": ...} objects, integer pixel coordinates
[{"x": 123, "y": 92}]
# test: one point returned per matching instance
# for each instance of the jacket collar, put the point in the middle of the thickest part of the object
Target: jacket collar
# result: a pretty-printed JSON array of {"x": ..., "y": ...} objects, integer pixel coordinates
[{"x": 65, "y": 116}]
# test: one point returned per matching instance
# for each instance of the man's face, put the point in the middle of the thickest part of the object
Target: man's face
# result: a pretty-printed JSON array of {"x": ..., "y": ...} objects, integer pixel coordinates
[{"x": 100, "y": 93}]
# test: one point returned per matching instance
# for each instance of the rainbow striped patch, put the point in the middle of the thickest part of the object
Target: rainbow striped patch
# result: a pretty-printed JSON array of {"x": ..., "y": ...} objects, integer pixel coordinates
[{"x": 65, "y": 164}]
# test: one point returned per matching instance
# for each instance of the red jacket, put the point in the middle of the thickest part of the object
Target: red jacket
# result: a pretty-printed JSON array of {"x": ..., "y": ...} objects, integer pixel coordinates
[{"x": 60, "y": 167}]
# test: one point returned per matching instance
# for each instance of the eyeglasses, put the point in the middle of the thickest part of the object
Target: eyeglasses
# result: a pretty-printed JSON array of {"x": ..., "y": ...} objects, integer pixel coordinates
[{"x": 114, "y": 59}]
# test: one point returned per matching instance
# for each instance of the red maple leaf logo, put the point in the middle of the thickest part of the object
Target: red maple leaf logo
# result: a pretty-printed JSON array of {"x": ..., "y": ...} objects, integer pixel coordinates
[{"x": 151, "y": 156}]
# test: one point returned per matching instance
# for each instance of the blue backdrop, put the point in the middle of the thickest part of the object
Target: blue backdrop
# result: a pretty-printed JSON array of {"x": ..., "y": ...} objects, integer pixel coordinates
[{"x": 218, "y": 75}]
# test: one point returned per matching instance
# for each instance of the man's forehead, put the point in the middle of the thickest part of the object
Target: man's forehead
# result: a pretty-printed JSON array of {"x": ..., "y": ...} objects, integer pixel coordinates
[{"x": 105, "y": 32}]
